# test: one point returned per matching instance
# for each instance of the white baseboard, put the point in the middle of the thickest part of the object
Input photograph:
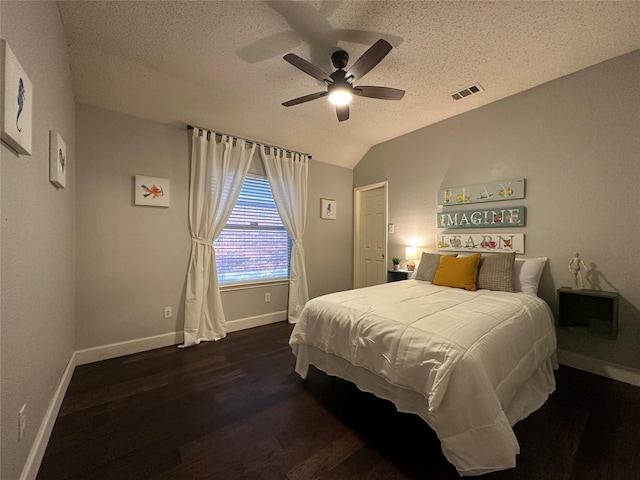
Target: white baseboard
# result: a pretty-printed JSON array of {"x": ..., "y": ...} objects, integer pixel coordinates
[
  {"x": 257, "y": 321},
  {"x": 600, "y": 367},
  {"x": 113, "y": 350},
  {"x": 31, "y": 467}
]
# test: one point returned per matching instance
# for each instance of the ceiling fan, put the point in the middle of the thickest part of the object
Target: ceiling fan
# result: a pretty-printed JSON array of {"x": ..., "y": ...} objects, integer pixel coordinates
[{"x": 340, "y": 88}]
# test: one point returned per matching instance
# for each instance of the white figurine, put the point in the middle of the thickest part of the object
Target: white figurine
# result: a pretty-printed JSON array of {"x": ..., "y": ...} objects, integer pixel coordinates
[{"x": 576, "y": 266}]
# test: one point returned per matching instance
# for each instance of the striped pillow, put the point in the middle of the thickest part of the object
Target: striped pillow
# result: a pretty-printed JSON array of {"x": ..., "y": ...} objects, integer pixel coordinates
[{"x": 496, "y": 272}]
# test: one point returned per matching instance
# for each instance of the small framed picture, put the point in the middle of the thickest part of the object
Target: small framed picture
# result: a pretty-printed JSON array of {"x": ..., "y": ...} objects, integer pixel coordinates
[
  {"x": 152, "y": 191},
  {"x": 328, "y": 209},
  {"x": 17, "y": 96},
  {"x": 57, "y": 160}
]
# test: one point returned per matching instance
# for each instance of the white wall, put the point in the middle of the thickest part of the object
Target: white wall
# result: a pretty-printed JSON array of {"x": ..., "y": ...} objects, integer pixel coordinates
[
  {"x": 576, "y": 140},
  {"x": 37, "y": 299}
]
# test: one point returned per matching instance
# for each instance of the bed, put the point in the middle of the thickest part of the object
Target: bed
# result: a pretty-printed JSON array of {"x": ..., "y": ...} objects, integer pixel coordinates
[{"x": 470, "y": 362}]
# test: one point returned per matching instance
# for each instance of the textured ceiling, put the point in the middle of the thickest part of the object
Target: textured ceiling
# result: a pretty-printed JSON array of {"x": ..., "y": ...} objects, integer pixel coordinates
[{"x": 219, "y": 64}]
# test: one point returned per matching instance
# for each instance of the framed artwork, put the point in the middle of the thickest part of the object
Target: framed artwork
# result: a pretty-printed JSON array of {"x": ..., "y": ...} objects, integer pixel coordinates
[
  {"x": 17, "y": 96},
  {"x": 152, "y": 191},
  {"x": 328, "y": 209},
  {"x": 57, "y": 160},
  {"x": 511, "y": 189}
]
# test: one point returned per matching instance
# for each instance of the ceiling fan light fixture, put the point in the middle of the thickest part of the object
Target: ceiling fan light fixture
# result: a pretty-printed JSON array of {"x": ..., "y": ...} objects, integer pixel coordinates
[
  {"x": 340, "y": 96},
  {"x": 340, "y": 88}
]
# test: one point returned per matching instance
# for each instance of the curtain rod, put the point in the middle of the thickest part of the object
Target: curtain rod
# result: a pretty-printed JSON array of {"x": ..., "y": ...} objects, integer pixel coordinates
[{"x": 191, "y": 127}]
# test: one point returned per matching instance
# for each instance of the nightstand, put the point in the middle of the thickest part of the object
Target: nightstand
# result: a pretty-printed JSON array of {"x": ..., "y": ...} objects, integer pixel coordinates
[
  {"x": 397, "y": 275},
  {"x": 588, "y": 311}
]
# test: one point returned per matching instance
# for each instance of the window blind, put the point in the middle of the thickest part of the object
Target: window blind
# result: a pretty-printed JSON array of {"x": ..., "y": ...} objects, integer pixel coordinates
[{"x": 254, "y": 244}]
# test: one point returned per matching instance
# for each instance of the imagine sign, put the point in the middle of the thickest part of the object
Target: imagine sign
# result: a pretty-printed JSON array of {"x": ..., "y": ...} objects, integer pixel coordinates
[{"x": 505, "y": 217}]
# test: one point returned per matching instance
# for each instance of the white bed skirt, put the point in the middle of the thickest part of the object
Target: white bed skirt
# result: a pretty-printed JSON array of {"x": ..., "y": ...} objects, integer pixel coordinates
[{"x": 484, "y": 450}]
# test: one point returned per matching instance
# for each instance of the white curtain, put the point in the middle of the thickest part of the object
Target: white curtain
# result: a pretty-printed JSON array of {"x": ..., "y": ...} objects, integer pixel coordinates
[
  {"x": 288, "y": 180},
  {"x": 218, "y": 170}
]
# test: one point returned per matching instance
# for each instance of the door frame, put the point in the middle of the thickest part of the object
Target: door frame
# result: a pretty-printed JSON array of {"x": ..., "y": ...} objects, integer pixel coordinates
[{"x": 357, "y": 192}]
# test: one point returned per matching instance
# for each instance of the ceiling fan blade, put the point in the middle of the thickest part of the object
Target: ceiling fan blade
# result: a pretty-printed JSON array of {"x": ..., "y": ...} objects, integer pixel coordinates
[
  {"x": 382, "y": 93},
  {"x": 308, "y": 68},
  {"x": 369, "y": 59},
  {"x": 343, "y": 112},
  {"x": 306, "y": 98}
]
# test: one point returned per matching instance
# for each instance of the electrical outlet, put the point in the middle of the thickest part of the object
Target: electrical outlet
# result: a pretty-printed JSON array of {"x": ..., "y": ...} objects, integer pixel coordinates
[
  {"x": 168, "y": 312},
  {"x": 22, "y": 422},
  {"x": 267, "y": 297}
]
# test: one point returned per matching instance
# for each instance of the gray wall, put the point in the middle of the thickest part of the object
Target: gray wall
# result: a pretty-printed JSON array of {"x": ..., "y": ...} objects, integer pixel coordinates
[
  {"x": 576, "y": 140},
  {"x": 132, "y": 260},
  {"x": 37, "y": 300},
  {"x": 329, "y": 243},
  {"x": 83, "y": 267}
]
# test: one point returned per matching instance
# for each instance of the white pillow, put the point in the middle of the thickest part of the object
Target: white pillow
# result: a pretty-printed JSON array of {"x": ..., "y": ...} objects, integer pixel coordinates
[{"x": 526, "y": 274}]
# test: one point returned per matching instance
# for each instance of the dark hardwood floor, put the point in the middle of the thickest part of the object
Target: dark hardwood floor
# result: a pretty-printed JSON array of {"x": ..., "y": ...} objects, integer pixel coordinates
[{"x": 235, "y": 409}]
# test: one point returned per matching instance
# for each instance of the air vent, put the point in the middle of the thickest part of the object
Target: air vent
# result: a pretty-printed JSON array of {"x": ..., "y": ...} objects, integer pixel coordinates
[{"x": 465, "y": 92}]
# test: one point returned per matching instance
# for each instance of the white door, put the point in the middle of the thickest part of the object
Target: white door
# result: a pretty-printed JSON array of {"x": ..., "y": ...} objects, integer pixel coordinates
[{"x": 370, "y": 235}]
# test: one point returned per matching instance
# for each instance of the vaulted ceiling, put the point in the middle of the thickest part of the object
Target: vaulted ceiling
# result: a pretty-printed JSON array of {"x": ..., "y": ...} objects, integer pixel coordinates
[{"x": 218, "y": 64}]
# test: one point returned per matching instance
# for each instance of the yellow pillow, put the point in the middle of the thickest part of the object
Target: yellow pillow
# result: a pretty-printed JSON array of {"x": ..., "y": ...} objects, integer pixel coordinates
[{"x": 459, "y": 272}]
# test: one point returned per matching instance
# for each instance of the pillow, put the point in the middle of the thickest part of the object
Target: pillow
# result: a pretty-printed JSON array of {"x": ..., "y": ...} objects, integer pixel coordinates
[
  {"x": 429, "y": 263},
  {"x": 526, "y": 274},
  {"x": 458, "y": 272},
  {"x": 495, "y": 272},
  {"x": 427, "y": 267}
]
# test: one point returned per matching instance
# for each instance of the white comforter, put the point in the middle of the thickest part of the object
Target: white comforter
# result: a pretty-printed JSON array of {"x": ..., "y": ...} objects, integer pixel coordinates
[{"x": 471, "y": 364}]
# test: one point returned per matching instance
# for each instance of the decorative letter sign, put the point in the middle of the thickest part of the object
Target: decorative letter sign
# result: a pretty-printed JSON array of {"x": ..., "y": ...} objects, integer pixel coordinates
[
  {"x": 492, "y": 242},
  {"x": 486, "y": 192},
  {"x": 499, "y": 217}
]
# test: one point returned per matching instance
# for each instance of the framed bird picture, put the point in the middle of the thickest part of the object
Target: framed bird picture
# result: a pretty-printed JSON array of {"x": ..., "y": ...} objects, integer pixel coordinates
[
  {"x": 152, "y": 191},
  {"x": 16, "y": 92}
]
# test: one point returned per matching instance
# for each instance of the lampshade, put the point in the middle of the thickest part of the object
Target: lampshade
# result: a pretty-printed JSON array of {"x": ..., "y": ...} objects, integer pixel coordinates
[
  {"x": 340, "y": 93},
  {"x": 410, "y": 253}
]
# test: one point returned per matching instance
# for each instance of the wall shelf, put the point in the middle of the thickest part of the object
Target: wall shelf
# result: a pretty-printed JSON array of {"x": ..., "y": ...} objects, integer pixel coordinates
[{"x": 588, "y": 311}]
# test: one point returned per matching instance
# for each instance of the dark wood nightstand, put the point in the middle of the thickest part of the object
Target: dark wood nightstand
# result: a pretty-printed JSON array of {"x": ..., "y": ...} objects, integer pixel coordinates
[
  {"x": 588, "y": 311},
  {"x": 397, "y": 275}
]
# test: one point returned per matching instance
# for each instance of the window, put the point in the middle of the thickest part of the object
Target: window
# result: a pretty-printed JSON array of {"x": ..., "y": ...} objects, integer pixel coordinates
[{"x": 254, "y": 244}]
